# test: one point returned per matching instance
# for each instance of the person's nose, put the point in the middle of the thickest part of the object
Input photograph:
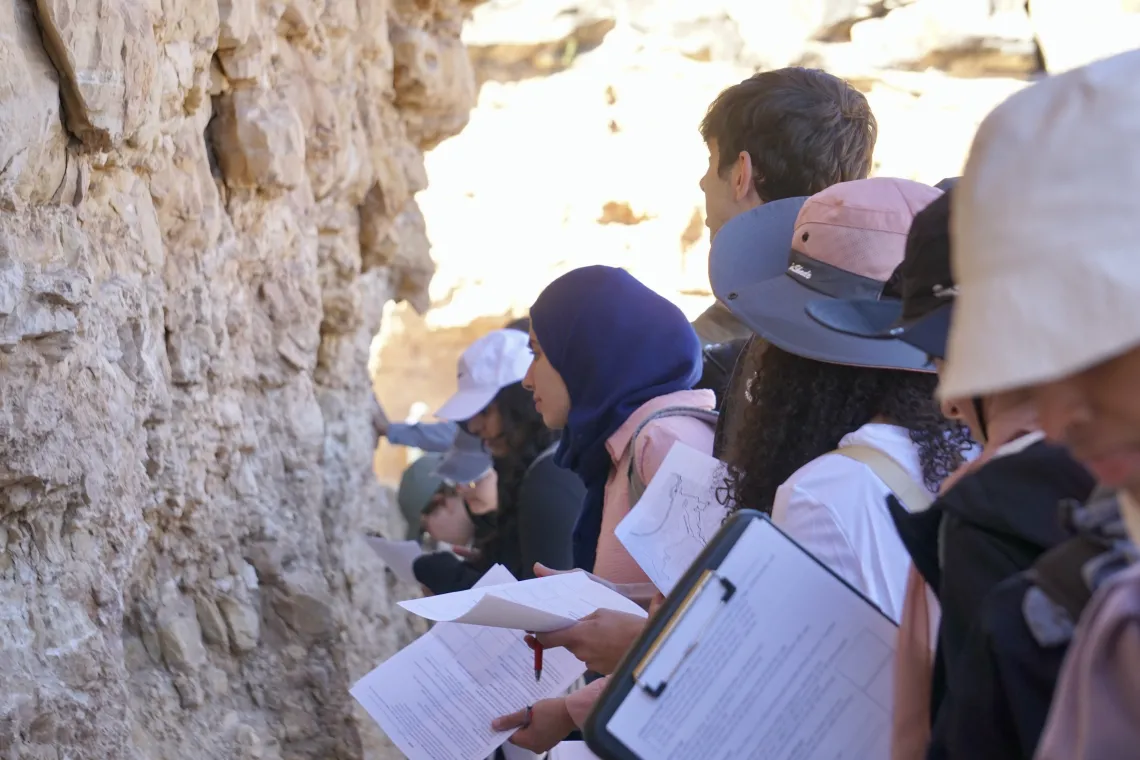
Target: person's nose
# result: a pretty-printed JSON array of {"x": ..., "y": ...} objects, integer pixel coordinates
[
  {"x": 1061, "y": 406},
  {"x": 528, "y": 378}
]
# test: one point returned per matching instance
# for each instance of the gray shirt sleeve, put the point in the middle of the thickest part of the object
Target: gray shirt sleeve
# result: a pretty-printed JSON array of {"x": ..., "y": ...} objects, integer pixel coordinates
[
  {"x": 550, "y": 500},
  {"x": 436, "y": 437}
]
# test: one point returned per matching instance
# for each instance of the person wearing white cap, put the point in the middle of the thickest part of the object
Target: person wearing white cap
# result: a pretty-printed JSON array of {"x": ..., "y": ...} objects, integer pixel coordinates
[
  {"x": 1046, "y": 253},
  {"x": 537, "y": 502}
]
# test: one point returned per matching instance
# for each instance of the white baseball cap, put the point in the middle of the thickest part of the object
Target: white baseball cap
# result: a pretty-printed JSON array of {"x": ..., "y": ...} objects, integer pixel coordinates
[
  {"x": 1045, "y": 233},
  {"x": 493, "y": 362}
]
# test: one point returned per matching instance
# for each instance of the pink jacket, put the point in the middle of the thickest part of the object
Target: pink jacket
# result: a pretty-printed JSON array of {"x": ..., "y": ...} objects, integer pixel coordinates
[
  {"x": 1095, "y": 713},
  {"x": 613, "y": 562}
]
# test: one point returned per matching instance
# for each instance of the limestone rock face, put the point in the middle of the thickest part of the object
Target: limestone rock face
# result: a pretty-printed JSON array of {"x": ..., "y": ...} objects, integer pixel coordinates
[{"x": 204, "y": 205}]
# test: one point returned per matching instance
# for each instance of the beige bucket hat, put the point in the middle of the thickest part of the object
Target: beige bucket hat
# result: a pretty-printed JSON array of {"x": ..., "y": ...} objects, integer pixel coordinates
[{"x": 1045, "y": 233}]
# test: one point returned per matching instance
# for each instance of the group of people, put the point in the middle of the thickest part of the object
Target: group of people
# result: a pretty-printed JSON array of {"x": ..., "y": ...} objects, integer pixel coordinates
[{"x": 930, "y": 388}]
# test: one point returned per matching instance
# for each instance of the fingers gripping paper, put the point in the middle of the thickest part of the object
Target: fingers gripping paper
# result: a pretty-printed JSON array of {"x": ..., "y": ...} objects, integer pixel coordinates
[{"x": 436, "y": 698}]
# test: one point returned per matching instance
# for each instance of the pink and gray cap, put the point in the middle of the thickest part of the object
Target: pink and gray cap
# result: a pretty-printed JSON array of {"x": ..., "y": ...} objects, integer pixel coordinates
[{"x": 767, "y": 266}]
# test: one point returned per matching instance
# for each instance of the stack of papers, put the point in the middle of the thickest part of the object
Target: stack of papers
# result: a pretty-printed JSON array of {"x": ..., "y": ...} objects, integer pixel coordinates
[
  {"x": 436, "y": 698},
  {"x": 538, "y": 605}
]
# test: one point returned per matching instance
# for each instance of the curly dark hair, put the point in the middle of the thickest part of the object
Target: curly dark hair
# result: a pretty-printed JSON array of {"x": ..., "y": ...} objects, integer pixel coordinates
[
  {"x": 800, "y": 409},
  {"x": 804, "y": 129},
  {"x": 527, "y": 437}
]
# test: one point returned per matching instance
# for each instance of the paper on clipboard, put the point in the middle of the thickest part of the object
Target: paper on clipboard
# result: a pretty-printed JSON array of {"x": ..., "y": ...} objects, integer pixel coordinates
[
  {"x": 538, "y": 605},
  {"x": 399, "y": 556},
  {"x": 436, "y": 698},
  {"x": 794, "y": 664},
  {"x": 675, "y": 517}
]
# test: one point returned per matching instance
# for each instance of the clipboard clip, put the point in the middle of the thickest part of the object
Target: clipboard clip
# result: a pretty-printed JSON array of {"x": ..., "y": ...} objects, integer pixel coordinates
[{"x": 727, "y": 590}]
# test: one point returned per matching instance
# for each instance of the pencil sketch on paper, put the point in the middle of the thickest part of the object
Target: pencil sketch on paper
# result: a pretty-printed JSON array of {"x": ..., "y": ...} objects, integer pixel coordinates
[{"x": 675, "y": 518}]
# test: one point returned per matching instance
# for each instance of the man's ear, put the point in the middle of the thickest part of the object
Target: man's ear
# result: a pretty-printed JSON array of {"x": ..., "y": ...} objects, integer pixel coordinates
[{"x": 742, "y": 177}]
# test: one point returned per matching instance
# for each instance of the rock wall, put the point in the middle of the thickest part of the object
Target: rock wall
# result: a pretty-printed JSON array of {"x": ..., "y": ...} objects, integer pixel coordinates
[{"x": 204, "y": 205}]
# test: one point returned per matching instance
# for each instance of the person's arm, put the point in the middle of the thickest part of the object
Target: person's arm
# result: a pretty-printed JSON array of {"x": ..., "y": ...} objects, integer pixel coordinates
[
  {"x": 550, "y": 499},
  {"x": 436, "y": 437},
  {"x": 579, "y": 703},
  {"x": 443, "y": 572}
]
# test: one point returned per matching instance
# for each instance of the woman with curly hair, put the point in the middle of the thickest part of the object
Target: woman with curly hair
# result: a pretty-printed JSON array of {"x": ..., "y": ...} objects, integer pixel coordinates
[
  {"x": 831, "y": 417},
  {"x": 530, "y": 512}
]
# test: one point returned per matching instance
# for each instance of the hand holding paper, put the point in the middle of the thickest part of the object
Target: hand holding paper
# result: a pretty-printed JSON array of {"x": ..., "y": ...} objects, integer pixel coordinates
[{"x": 436, "y": 698}]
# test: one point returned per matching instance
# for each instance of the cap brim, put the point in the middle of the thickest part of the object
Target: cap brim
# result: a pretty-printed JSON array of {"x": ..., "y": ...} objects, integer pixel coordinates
[
  {"x": 929, "y": 333},
  {"x": 464, "y": 466},
  {"x": 882, "y": 320},
  {"x": 776, "y": 310},
  {"x": 752, "y": 247},
  {"x": 466, "y": 404},
  {"x": 862, "y": 317}
]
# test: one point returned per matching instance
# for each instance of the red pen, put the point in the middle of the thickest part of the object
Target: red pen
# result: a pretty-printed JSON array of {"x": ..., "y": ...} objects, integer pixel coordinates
[{"x": 532, "y": 642}]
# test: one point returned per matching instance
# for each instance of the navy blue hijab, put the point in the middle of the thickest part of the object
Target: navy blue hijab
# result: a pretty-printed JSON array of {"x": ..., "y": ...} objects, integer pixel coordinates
[{"x": 617, "y": 345}]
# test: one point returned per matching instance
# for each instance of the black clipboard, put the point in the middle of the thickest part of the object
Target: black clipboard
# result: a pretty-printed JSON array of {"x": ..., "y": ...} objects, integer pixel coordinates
[{"x": 699, "y": 579}]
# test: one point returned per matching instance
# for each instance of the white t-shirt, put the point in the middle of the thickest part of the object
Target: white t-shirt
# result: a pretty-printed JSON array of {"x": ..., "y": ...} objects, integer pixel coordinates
[{"x": 836, "y": 508}]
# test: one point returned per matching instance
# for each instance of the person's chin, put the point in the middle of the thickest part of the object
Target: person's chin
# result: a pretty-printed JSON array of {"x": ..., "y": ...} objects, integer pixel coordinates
[
  {"x": 1117, "y": 469},
  {"x": 553, "y": 423}
]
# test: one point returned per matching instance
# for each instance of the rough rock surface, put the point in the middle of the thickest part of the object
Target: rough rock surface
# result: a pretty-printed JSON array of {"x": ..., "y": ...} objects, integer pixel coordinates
[{"x": 204, "y": 205}]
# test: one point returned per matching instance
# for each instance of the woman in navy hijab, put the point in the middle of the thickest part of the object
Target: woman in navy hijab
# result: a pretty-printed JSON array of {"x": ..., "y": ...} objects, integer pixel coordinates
[
  {"x": 612, "y": 361},
  {"x": 609, "y": 354}
]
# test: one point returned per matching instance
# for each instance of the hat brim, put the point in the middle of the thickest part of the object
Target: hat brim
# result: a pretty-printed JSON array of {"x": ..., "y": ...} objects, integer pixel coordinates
[
  {"x": 776, "y": 310},
  {"x": 862, "y": 317},
  {"x": 882, "y": 320},
  {"x": 464, "y": 466},
  {"x": 464, "y": 405},
  {"x": 752, "y": 247}
]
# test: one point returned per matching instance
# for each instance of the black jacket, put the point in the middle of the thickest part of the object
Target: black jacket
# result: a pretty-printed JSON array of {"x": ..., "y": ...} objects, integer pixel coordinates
[
  {"x": 539, "y": 530},
  {"x": 992, "y": 525}
]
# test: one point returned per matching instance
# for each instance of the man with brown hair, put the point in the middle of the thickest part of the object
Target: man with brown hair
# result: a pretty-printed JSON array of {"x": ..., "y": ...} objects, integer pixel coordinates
[{"x": 779, "y": 134}]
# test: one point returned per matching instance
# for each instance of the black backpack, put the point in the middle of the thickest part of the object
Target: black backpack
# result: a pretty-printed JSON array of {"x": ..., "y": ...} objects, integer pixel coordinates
[{"x": 1014, "y": 654}]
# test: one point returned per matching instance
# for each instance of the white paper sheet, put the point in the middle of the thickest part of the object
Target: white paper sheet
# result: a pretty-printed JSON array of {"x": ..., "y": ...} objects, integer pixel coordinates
[
  {"x": 539, "y": 604},
  {"x": 436, "y": 698},
  {"x": 675, "y": 517},
  {"x": 397, "y": 555},
  {"x": 572, "y": 751},
  {"x": 515, "y": 752},
  {"x": 794, "y": 665}
]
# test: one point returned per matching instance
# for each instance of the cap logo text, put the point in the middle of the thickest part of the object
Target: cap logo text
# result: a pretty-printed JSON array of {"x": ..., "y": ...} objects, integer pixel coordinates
[
  {"x": 800, "y": 270},
  {"x": 942, "y": 291}
]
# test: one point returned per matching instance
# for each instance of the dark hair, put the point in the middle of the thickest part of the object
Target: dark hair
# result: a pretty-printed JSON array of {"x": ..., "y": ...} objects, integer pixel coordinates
[
  {"x": 800, "y": 408},
  {"x": 526, "y": 437},
  {"x": 522, "y": 324},
  {"x": 804, "y": 129},
  {"x": 719, "y": 362}
]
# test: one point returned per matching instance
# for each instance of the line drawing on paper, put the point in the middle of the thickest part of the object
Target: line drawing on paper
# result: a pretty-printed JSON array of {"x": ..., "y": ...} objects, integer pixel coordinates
[
  {"x": 677, "y": 530},
  {"x": 684, "y": 495},
  {"x": 676, "y": 517}
]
